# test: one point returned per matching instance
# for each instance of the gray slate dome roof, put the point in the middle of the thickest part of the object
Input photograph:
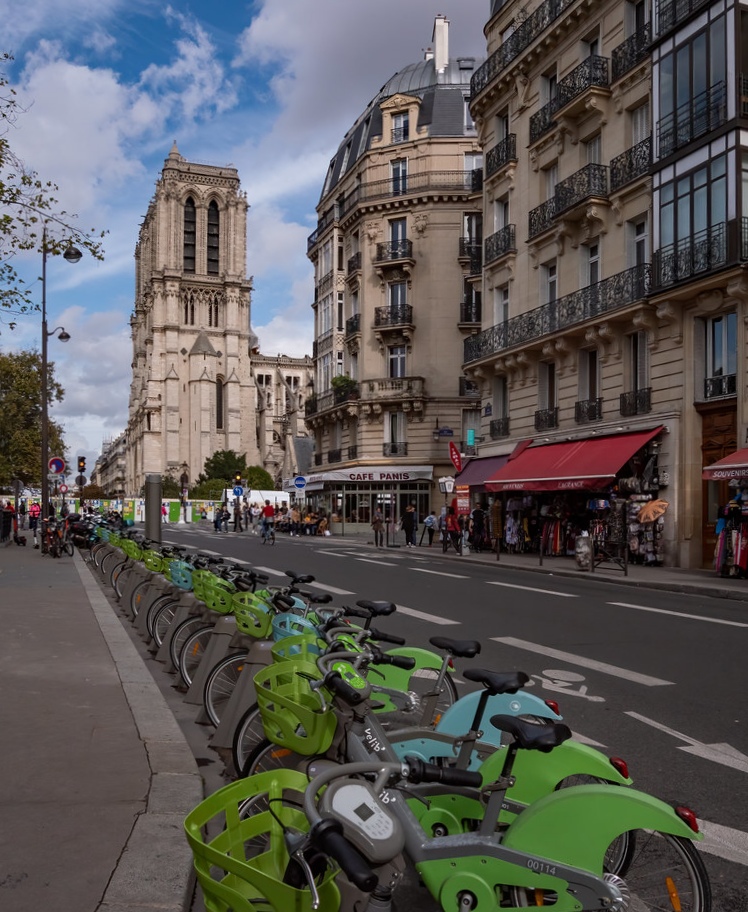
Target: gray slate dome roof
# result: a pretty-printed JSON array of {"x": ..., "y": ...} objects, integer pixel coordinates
[{"x": 442, "y": 108}]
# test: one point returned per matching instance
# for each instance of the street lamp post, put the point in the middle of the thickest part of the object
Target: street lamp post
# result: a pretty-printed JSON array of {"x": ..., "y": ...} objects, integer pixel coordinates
[{"x": 72, "y": 255}]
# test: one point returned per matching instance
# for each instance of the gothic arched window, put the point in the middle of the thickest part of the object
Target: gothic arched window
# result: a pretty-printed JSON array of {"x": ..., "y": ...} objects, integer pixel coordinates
[
  {"x": 213, "y": 227},
  {"x": 219, "y": 404},
  {"x": 190, "y": 233}
]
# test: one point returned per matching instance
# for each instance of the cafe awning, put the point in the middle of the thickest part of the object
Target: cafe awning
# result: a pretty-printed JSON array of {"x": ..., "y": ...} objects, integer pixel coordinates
[
  {"x": 477, "y": 472},
  {"x": 733, "y": 466},
  {"x": 590, "y": 464}
]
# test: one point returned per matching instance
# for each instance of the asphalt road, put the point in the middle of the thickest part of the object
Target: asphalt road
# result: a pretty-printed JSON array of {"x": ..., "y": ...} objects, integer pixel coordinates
[{"x": 653, "y": 677}]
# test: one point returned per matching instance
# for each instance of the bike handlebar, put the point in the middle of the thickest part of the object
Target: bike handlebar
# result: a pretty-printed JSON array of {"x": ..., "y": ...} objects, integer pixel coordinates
[
  {"x": 328, "y": 836},
  {"x": 343, "y": 689},
  {"x": 421, "y": 771}
]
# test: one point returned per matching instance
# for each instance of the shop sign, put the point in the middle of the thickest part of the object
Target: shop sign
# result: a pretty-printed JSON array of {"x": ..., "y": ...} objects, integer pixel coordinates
[
  {"x": 373, "y": 474},
  {"x": 454, "y": 455},
  {"x": 462, "y": 493}
]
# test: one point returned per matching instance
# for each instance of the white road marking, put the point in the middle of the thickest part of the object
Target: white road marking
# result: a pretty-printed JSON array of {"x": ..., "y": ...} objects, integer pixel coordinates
[
  {"x": 718, "y": 753},
  {"x": 332, "y": 553},
  {"x": 588, "y": 741},
  {"x": 421, "y": 615},
  {"x": 680, "y": 614},
  {"x": 332, "y": 589},
  {"x": 439, "y": 573},
  {"x": 532, "y": 589},
  {"x": 364, "y": 560},
  {"x": 271, "y": 571},
  {"x": 584, "y": 662},
  {"x": 726, "y": 842}
]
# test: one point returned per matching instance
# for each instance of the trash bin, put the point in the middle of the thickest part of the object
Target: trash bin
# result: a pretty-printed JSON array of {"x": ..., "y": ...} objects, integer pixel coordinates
[{"x": 583, "y": 552}]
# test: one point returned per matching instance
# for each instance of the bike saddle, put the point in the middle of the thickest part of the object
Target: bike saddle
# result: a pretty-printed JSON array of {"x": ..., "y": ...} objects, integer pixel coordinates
[
  {"x": 322, "y": 599},
  {"x": 463, "y": 649},
  {"x": 497, "y": 682},
  {"x": 531, "y": 735},
  {"x": 377, "y": 609},
  {"x": 305, "y": 578}
]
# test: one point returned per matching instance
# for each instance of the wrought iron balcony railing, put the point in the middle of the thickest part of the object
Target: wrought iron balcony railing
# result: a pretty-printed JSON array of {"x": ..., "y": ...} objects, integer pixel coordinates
[
  {"x": 591, "y": 73},
  {"x": 403, "y": 185},
  {"x": 542, "y": 120},
  {"x": 469, "y": 388},
  {"x": 394, "y": 250},
  {"x": 500, "y": 243},
  {"x": 718, "y": 387},
  {"x": 671, "y": 13},
  {"x": 633, "y": 50},
  {"x": 395, "y": 449},
  {"x": 545, "y": 419},
  {"x": 476, "y": 180},
  {"x": 592, "y": 180},
  {"x": 696, "y": 117},
  {"x": 587, "y": 303},
  {"x": 393, "y": 315},
  {"x": 470, "y": 312},
  {"x": 636, "y": 402},
  {"x": 318, "y": 459},
  {"x": 472, "y": 250},
  {"x": 353, "y": 452},
  {"x": 588, "y": 410},
  {"x": 400, "y": 134},
  {"x": 310, "y": 406},
  {"x": 541, "y": 218},
  {"x": 334, "y": 455},
  {"x": 354, "y": 263},
  {"x": 634, "y": 162},
  {"x": 353, "y": 325},
  {"x": 501, "y": 154},
  {"x": 699, "y": 253},
  {"x": 526, "y": 32},
  {"x": 499, "y": 427}
]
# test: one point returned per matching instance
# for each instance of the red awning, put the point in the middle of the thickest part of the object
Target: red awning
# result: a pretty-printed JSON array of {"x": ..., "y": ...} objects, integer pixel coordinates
[
  {"x": 589, "y": 464},
  {"x": 733, "y": 466},
  {"x": 477, "y": 472}
]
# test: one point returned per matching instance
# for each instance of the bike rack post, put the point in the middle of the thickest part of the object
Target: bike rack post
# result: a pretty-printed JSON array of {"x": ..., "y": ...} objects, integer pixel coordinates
[{"x": 218, "y": 646}]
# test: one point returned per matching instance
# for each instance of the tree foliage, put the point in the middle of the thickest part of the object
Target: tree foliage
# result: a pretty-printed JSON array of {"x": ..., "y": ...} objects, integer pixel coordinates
[
  {"x": 259, "y": 479},
  {"x": 21, "y": 417},
  {"x": 27, "y": 207},
  {"x": 220, "y": 472},
  {"x": 224, "y": 464}
]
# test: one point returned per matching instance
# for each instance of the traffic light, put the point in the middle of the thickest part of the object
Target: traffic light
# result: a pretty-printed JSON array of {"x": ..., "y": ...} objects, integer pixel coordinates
[
  {"x": 81, "y": 464},
  {"x": 237, "y": 478}
]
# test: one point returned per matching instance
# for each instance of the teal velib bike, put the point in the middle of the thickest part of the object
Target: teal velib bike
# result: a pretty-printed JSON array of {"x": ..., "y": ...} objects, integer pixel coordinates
[{"x": 280, "y": 839}]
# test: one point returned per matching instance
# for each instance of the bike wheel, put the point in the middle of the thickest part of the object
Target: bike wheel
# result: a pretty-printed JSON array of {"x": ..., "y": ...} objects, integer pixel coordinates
[
  {"x": 109, "y": 562},
  {"x": 249, "y": 732},
  {"x": 183, "y": 632},
  {"x": 119, "y": 577},
  {"x": 220, "y": 684},
  {"x": 665, "y": 873},
  {"x": 267, "y": 756},
  {"x": 153, "y": 608},
  {"x": 136, "y": 597},
  {"x": 422, "y": 682},
  {"x": 54, "y": 547},
  {"x": 162, "y": 620},
  {"x": 192, "y": 652},
  {"x": 68, "y": 547}
]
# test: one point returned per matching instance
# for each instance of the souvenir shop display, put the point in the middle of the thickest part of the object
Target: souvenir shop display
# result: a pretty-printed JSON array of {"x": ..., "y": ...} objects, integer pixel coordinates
[
  {"x": 608, "y": 530},
  {"x": 646, "y": 527},
  {"x": 731, "y": 550},
  {"x": 518, "y": 524},
  {"x": 561, "y": 526}
]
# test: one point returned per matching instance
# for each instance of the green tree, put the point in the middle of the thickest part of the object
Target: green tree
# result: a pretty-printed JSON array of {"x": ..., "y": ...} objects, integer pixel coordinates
[
  {"x": 27, "y": 207},
  {"x": 224, "y": 464},
  {"x": 259, "y": 479},
  {"x": 20, "y": 417},
  {"x": 209, "y": 489}
]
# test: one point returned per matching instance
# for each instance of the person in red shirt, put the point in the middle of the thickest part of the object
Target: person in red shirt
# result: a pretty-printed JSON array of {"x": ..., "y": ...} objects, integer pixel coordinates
[{"x": 267, "y": 516}]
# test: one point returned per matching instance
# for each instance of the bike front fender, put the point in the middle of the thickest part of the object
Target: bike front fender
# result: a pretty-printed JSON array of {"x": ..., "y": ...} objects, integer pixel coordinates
[
  {"x": 576, "y": 825},
  {"x": 459, "y": 717},
  {"x": 399, "y": 678}
]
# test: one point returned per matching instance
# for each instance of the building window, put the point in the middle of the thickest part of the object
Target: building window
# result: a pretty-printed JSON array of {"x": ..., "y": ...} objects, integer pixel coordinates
[
  {"x": 500, "y": 213},
  {"x": 638, "y": 358},
  {"x": 469, "y": 122},
  {"x": 593, "y": 150},
  {"x": 394, "y": 429},
  {"x": 591, "y": 44},
  {"x": 325, "y": 315},
  {"x": 591, "y": 263},
  {"x": 589, "y": 374},
  {"x": 340, "y": 312},
  {"x": 190, "y": 233},
  {"x": 637, "y": 241},
  {"x": 339, "y": 365},
  {"x": 400, "y": 128},
  {"x": 213, "y": 236},
  {"x": 219, "y": 404},
  {"x": 500, "y": 304},
  {"x": 550, "y": 178},
  {"x": 399, "y": 171},
  {"x": 346, "y": 157},
  {"x": 472, "y": 227},
  {"x": 547, "y": 385},
  {"x": 213, "y": 313},
  {"x": 640, "y": 125},
  {"x": 398, "y": 292},
  {"x": 692, "y": 204},
  {"x": 396, "y": 361},
  {"x": 500, "y": 405},
  {"x": 722, "y": 345},
  {"x": 324, "y": 372},
  {"x": 549, "y": 277},
  {"x": 189, "y": 309}
]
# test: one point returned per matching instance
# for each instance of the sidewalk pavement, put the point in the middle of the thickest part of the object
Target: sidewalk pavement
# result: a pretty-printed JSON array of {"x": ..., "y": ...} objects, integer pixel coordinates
[{"x": 95, "y": 774}]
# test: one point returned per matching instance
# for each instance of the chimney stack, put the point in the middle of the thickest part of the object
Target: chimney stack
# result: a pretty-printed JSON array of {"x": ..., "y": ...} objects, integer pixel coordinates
[{"x": 440, "y": 40}]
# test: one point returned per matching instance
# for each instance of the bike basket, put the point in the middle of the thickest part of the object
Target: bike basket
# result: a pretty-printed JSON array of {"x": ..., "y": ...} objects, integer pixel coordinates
[
  {"x": 303, "y": 648},
  {"x": 132, "y": 549},
  {"x": 252, "y": 615},
  {"x": 288, "y": 625},
  {"x": 245, "y": 855},
  {"x": 290, "y": 710},
  {"x": 153, "y": 561},
  {"x": 201, "y": 579},
  {"x": 102, "y": 534},
  {"x": 218, "y": 596},
  {"x": 181, "y": 574},
  {"x": 115, "y": 540}
]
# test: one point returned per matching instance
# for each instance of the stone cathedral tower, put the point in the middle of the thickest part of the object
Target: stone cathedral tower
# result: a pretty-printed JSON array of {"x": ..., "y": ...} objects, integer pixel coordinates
[{"x": 192, "y": 390}]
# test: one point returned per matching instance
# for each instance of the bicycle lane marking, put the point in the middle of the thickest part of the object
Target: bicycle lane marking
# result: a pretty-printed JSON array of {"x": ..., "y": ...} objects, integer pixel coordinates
[
  {"x": 722, "y": 753},
  {"x": 421, "y": 615},
  {"x": 533, "y": 589},
  {"x": 725, "y": 842},
  {"x": 679, "y": 614},
  {"x": 439, "y": 573},
  {"x": 613, "y": 670}
]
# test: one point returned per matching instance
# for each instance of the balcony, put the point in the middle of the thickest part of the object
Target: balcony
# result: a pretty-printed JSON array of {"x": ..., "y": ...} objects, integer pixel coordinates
[
  {"x": 334, "y": 455},
  {"x": 400, "y": 135},
  {"x": 696, "y": 117},
  {"x": 393, "y": 315},
  {"x": 392, "y": 251},
  {"x": 532, "y": 27},
  {"x": 394, "y": 449},
  {"x": 541, "y": 218},
  {"x": 636, "y": 402},
  {"x": 545, "y": 419},
  {"x": 318, "y": 459},
  {"x": 541, "y": 122},
  {"x": 310, "y": 407},
  {"x": 460, "y": 182},
  {"x": 586, "y": 410},
  {"x": 471, "y": 254},
  {"x": 500, "y": 155},
  {"x": 498, "y": 428},
  {"x": 470, "y": 313},
  {"x": 469, "y": 388},
  {"x": 720, "y": 387},
  {"x": 632, "y": 51},
  {"x": 591, "y": 73},
  {"x": 634, "y": 162},
  {"x": 500, "y": 244},
  {"x": 672, "y": 13},
  {"x": 587, "y": 303},
  {"x": 475, "y": 184},
  {"x": 590, "y": 181},
  {"x": 392, "y": 389},
  {"x": 353, "y": 452},
  {"x": 695, "y": 255},
  {"x": 352, "y": 325},
  {"x": 354, "y": 264}
]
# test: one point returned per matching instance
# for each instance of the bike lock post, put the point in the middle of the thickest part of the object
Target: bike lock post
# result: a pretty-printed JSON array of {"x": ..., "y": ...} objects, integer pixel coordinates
[{"x": 153, "y": 497}]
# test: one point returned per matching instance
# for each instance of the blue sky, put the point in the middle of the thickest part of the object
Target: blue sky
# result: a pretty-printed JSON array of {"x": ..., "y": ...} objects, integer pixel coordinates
[{"x": 269, "y": 86}]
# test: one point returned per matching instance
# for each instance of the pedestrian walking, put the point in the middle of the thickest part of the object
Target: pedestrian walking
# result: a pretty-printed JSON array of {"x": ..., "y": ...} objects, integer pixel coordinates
[
  {"x": 22, "y": 514},
  {"x": 430, "y": 524},
  {"x": 246, "y": 516},
  {"x": 256, "y": 513},
  {"x": 377, "y": 524},
  {"x": 409, "y": 525},
  {"x": 34, "y": 513},
  {"x": 237, "y": 516},
  {"x": 164, "y": 514}
]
